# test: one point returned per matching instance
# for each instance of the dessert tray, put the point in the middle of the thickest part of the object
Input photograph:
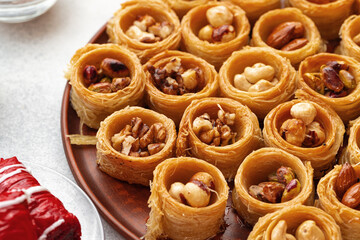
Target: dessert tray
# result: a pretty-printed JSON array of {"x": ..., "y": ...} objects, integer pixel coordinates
[
  {"x": 84, "y": 209},
  {"x": 122, "y": 204}
]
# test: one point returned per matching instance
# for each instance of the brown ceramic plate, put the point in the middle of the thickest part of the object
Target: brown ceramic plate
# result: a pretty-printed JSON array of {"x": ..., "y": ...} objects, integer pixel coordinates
[{"x": 123, "y": 205}]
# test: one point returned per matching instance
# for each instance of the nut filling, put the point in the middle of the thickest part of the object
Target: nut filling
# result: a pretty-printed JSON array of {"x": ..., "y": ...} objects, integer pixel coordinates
[
  {"x": 140, "y": 140},
  {"x": 302, "y": 130},
  {"x": 112, "y": 76},
  {"x": 305, "y": 231},
  {"x": 258, "y": 78},
  {"x": 287, "y": 36},
  {"x": 174, "y": 79},
  {"x": 347, "y": 187},
  {"x": 334, "y": 80},
  {"x": 145, "y": 29},
  {"x": 220, "y": 28},
  {"x": 216, "y": 132},
  {"x": 282, "y": 186},
  {"x": 196, "y": 192}
]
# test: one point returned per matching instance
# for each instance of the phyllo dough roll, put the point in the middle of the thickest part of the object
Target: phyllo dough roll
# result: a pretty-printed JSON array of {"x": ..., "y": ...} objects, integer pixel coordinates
[
  {"x": 335, "y": 80},
  {"x": 187, "y": 201},
  {"x": 174, "y": 79},
  {"x": 256, "y": 192},
  {"x": 330, "y": 201},
  {"x": 104, "y": 78},
  {"x": 288, "y": 32},
  {"x": 255, "y": 8},
  {"x": 304, "y": 222},
  {"x": 145, "y": 27},
  {"x": 327, "y": 15},
  {"x": 309, "y": 130},
  {"x": 132, "y": 142},
  {"x": 259, "y": 78},
  {"x": 181, "y": 7},
  {"x": 352, "y": 152},
  {"x": 350, "y": 37},
  {"x": 213, "y": 31},
  {"x": 219, "y": 130}
]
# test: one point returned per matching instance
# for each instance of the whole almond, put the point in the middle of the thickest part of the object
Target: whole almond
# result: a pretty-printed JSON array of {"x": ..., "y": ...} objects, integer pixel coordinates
[
  {"x": 295, "y": 44},
  {"x": 346, "y": 178},
  {"x": 284, "y": 33},
  {"x": 351, "y": 197}
]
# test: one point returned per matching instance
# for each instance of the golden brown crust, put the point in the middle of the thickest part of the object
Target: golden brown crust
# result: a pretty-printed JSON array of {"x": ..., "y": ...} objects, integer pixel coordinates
[
  {"x": 93, "y": 107},
  {"x": 347, "y": 107},
  {"x": 327, "y": 17},
  {"x": 226, "y": 158},
  {"x": 174, "y": 106},
  {"x": 255, "y": 8},
  {"x": 352, "y": 152},
  {"x": 181, "y": 7},
  {"x": 347, "y": 218},
  {"x": 169, "y": 218},
  {"x": 255, "y": 169},
  {"x": 127, "y": 168},
  {"x": 294, "y": 216},
  {"x": 214, "y": 53},
  {"x": 259, "y": 102},
  {"x": 349, "y": 29},
  {"x": 322, "y": 157},
  {"x": 268, "y": 21},
  {"x": 124, "y": 18}
]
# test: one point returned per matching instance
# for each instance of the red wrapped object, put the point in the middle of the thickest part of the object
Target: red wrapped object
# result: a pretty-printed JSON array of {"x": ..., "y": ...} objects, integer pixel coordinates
[{"x": 49, "y": 217}]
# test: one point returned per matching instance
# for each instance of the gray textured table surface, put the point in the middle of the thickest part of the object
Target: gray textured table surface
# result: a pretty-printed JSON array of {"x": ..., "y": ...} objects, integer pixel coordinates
[{"x": 33, "y": 57}]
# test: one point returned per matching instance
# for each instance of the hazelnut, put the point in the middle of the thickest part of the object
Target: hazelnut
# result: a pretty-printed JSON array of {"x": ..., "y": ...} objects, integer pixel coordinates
[
  {"x": 261, "y": 86},
  {"x": 162, "y": 30},
  {"x": 241, "y": 83},
  {"x": 345, "y": 179},
  {"x": 204, "y": 178},
  {"x": 190, "y": 79},
  {"x": 224, "y": 33},
  {"x": 293, "y": 131},
  {"x": 135, "y": 33},
  {"x": 90, "y": 74},
  {"x": 259, "y": 71},
  {"x": 309, "y": 230},
  {"x": 205, "y": 33},
  {"x": 114, "y": 68},
  {"x": 304, "y": 111},
  {"x": 201, "y": 124},
  {"x": 176, "y": 191},
  {"x": 279, "y": 232},
  {"x": 292, "y": 189},
  {"x": 195, "y": 195},
  {"x": 315, "y": 135},
  {"x": 351, "y": 197},
  {"x": 219, "y": 15}
]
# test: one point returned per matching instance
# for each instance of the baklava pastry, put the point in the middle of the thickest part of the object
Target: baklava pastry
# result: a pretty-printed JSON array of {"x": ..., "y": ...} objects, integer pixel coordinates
[
  {"x": 213, "y": 31},
  {"x": 132, "y": 142},
  {"x": 255, "y": 8},
  {"x": 328, "y": 15},
  {"x": 259, "y": 78},
  {"x": 288, "y": 32},
  {"x": 104, "y": 78},
  {"x": 352, "y": 152},
  {"x": 302, "y": 222},
  {"x": 181, "y": 7},
  {"x": 309, "y": 130},
  {"x": 187, "y": 201},
  {"x": 271, "y": 179},
  {"x": 350, "y": 37},
  {"x": 145, "y": 27},
  {"x": 174, "y": 79},
  {"x": 219, "y": 130},
  {"x": 334, "y": 79},
  {"x": 338, "y": 192}
]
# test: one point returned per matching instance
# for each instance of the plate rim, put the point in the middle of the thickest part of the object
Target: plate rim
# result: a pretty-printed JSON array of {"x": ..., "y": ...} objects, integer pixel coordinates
[{"x": 116, "y": 224}]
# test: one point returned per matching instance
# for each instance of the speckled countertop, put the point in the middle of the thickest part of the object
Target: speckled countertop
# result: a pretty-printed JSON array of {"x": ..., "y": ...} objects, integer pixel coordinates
[{"x": 33, "y": 57}]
